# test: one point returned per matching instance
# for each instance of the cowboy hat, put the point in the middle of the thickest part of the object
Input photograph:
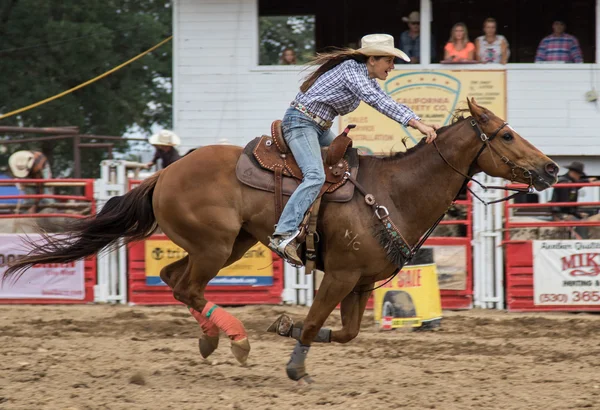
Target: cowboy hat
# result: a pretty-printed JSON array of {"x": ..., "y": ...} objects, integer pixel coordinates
[
  {"x": 380, "y": 45},
  {"x": 414, "y": 17},
  {"x": 577, "y": 167},
  {"x": 20, "y": 163},
  {"x": 168, "y": 138}
]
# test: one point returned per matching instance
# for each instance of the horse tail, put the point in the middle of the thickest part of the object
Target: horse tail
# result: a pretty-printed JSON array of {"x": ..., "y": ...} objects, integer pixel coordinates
[{"x": 129, "y": 216}]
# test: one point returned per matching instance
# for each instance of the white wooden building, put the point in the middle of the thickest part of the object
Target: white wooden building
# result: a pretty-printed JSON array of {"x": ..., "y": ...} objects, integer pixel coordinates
[{"x": 221, "y": 93}]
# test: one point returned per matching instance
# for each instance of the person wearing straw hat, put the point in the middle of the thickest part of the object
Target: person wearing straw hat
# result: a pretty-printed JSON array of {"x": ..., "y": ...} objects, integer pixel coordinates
[
  {"x": 32, "y": 165},
  {"x": 343, "y": 78},
  {"x": 165, "y": 143}
]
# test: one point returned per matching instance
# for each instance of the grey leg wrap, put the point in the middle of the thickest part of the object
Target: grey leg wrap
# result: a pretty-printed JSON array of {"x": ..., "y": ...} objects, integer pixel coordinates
[
  {"x": 295, "y": 368},
  {"x": 324, "y": 335}
]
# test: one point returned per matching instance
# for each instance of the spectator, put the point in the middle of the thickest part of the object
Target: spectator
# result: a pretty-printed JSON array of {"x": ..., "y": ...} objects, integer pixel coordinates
[
  {"x": 165, "y": 143},
  {"x": 492, "y": 47},
  {"x": 559, "y": 46},
  {"x": 288, "y": 56},
  {"x": 410, "y": 40},
  {"x": 459, "y": 49},
  {"x": 32, "y": 165},
  {"x": 575, "y": 174}
]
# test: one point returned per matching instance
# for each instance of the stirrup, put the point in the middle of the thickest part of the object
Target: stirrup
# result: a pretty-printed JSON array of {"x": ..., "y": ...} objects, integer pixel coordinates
[{"x": 279, "y": 248}]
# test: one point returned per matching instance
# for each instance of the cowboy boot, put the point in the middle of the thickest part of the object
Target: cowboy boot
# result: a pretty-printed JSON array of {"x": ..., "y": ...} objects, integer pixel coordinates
[{"x": 286, "y": 247}]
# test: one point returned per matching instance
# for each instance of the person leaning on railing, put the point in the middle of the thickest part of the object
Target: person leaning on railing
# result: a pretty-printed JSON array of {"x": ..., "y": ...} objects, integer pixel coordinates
[
  {"x": 165, "y": 143},
  {"x": 575, "y": 174},
  {"x": 32, "y": 165}
]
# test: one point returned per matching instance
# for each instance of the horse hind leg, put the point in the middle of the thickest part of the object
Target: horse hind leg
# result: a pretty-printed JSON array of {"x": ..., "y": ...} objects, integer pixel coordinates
[
  {"x": 189, "y": 289},
  {"x": 209, "y": 340}
]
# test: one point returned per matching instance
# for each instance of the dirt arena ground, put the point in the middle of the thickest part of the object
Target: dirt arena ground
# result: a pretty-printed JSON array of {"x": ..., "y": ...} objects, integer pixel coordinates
[{"x": 120, "y": 357}]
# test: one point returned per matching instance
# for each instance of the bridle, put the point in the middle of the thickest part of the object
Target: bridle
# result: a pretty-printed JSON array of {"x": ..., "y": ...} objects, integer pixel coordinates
[
  {"x": 383, "y": 215},
  {"x": 527, "y": 174}
]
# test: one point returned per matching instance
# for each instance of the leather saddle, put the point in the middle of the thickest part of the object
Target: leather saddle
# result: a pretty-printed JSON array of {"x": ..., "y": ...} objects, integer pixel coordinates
[{"x": 268, "y": 164}]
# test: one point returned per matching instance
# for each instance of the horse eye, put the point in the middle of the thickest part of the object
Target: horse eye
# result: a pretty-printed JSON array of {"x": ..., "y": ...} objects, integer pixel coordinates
[{"x": 507, "y": 137}]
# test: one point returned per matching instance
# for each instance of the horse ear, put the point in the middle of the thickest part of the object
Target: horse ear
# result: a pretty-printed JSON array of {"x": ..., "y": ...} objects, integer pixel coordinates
[{"x": 477, "y": 111}]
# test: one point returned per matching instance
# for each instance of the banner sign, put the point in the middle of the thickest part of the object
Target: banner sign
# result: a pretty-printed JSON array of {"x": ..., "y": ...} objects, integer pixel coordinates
[
  {"x": 255, "y": 268},
  {"x": 566, "y": 272},
  {"x": 433, "y": 95},
  {"x": 44, "y": 281},
  {"x": 411, "y": 299},
  {"x": 451, "y": 264}
]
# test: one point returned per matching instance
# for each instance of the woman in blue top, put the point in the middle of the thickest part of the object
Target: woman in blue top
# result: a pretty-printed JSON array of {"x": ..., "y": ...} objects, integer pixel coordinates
[{"x": 343, "y": 79}]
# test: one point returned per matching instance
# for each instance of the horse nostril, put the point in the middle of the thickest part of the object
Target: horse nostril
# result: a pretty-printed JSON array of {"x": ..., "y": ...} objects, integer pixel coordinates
[{"x": 552, "y": 169}]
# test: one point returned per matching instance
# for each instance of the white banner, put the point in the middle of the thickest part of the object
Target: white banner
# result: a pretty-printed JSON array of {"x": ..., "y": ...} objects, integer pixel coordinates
[
  {"x": 566, "y": 272},
  {"x": 48, "y": 281}
]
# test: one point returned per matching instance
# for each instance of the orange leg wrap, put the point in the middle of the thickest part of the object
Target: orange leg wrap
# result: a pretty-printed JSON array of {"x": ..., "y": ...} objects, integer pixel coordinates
[
  {"x": 225, "y": 321},
  {"x": 209, "y": 328}
]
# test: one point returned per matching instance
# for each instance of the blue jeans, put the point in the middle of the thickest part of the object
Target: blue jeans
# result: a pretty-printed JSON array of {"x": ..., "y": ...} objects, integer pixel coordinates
[{"x": 305, "y": 139}]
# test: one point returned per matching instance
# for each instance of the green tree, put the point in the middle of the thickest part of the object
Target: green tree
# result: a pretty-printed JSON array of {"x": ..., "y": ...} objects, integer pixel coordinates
[
  {"x": 49, "y": 46},
  {"x": 279, "y": 32}
]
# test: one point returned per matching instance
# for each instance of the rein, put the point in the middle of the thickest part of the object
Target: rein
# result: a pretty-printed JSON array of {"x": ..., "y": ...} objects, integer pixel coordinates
[
  {"x": 382, "y": 213},
  {"x": 486, "y": 144}
]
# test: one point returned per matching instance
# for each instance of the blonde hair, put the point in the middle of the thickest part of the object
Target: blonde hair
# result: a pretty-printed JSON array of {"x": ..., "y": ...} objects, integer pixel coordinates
[
  {"x": 454, "y": 27},
  {"x": 282, "y": 59},
  {"x": 329, "y": 60}
]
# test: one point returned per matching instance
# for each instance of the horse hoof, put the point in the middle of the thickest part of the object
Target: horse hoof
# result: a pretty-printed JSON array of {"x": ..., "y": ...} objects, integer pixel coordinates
[
  {"x": 207, "y": 345},
  {"x": 241, "y": 350},
  {"x": 297, "y": 372},
  {"x": 282, "y": 326},
  {"x": 305, "y": 381}
]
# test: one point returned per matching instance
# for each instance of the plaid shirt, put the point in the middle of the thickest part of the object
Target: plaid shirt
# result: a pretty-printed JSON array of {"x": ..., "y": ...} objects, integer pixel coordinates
[
  {"x": 341, "y": 89},
  {"x": 559, "y": 48}
]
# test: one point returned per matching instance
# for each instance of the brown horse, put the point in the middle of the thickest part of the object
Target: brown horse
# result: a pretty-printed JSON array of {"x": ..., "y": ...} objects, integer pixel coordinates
[{"x": 202, "y": 207}]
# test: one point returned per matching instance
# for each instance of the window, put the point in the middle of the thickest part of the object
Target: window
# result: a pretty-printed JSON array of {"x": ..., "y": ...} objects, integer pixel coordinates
[
  {"x": 286, "y": 39},
  {"x": 342, "y": 23}
]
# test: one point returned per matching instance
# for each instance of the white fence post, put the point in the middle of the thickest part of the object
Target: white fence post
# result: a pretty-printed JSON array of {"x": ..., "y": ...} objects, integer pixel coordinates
[
  {"x": 488, "y": 255},
  {"x": 298, "y": 287},
  {"x": 112, "y": 265}
]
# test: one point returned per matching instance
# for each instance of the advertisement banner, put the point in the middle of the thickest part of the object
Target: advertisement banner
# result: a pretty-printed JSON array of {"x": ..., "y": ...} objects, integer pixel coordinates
[
  {"x": 44, "y": 281},
  {"x": 566, "y": 272},
  {"x": 451, "y": 264},
  {"x": 255, "y": 268},
  {"x": 411, "y": 299},
  {"x": 433, "y": 95}
]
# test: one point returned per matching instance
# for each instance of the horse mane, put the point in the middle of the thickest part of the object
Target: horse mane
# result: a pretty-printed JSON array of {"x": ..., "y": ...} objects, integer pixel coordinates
[{"x": 458, "y": 117}]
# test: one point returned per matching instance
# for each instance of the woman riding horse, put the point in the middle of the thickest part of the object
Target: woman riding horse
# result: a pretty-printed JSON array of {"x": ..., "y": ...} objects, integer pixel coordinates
[{"x": 344, "y": 79}]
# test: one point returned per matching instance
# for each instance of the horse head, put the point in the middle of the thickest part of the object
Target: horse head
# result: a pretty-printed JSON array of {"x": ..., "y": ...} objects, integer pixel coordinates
[{"x": 509, "y": 155}]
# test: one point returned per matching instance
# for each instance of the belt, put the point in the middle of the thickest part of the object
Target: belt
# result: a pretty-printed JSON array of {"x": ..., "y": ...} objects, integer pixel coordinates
[{"x": 318, "y": 120}]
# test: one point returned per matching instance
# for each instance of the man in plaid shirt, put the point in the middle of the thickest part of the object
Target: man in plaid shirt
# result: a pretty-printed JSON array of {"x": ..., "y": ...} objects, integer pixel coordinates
[{"x": 559, "y": 46}]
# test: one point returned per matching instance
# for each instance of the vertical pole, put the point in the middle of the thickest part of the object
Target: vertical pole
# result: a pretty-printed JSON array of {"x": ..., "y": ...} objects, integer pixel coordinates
[
  {"x": 76, "y": 157},
  {"x": 597, "y": 60},
  {"x": 425, "y": 35}
]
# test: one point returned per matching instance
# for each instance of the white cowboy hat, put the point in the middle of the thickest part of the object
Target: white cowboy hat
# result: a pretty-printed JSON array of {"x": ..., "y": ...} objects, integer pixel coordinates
[
  {"x": 165, "y": 137},
  {"x": 413, "y": 17},
  {"x": 20, "y": 163},
  {"x": 380, "y": 45}
]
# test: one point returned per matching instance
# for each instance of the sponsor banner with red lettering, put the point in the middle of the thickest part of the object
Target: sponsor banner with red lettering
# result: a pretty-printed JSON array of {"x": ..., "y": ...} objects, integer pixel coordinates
[
  {"x": 47, "y": 281},
  {"x": 566, "y": 272}
]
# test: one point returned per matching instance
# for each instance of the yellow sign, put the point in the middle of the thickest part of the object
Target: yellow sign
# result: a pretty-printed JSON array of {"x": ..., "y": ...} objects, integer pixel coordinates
[
  {"x": 411, "y": 299},
  {"x": 255, "y": 268},
  {"x": 433, "y": 95}
]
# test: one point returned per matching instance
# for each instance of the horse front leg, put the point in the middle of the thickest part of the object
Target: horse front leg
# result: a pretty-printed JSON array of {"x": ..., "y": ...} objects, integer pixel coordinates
[
  {"x": 331, "y": 292},
  {"x": 352, "y": 310}
]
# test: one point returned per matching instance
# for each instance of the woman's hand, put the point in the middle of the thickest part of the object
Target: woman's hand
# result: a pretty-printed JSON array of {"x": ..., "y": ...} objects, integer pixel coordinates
[{"x": 427, "y": 130}]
